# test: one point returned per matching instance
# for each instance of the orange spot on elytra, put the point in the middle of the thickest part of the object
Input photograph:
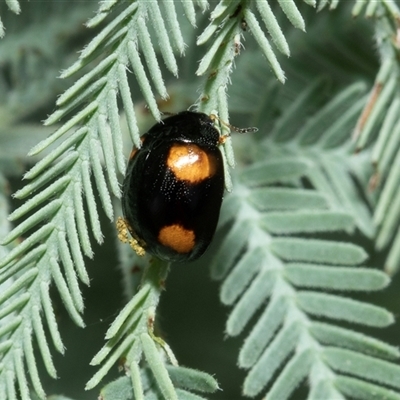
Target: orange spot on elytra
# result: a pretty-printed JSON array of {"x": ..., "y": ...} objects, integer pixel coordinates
[
  {"x": 177, "y": 238},
  {"x": 190, "y": 163}
]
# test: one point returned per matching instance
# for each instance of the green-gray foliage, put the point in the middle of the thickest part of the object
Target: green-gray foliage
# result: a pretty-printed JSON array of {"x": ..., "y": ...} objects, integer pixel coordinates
[
  {"x": 273, "y": 261},
  {"x": 310, "y": 191}
]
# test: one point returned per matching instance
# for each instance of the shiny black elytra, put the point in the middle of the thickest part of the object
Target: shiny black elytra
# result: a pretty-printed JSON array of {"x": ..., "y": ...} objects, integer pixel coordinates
[{"x": 173, "y": 188}]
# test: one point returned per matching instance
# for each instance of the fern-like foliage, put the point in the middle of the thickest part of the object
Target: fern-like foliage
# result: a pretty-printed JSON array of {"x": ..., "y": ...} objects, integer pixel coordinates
[
  {"x": 270, "y": 255},
  {"x": 228, "y": 21},
  {"x": 132, "y": 334},
  {"x": 184, "y": 380},
  {"x": 61, "y": 183},
  {"x": 380, "y": 119},
  {"x": 55, "y": 222}
]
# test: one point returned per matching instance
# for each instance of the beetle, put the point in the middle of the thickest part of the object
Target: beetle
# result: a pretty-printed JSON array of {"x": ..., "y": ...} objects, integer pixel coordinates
[{"x": 173, "y": 188}]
